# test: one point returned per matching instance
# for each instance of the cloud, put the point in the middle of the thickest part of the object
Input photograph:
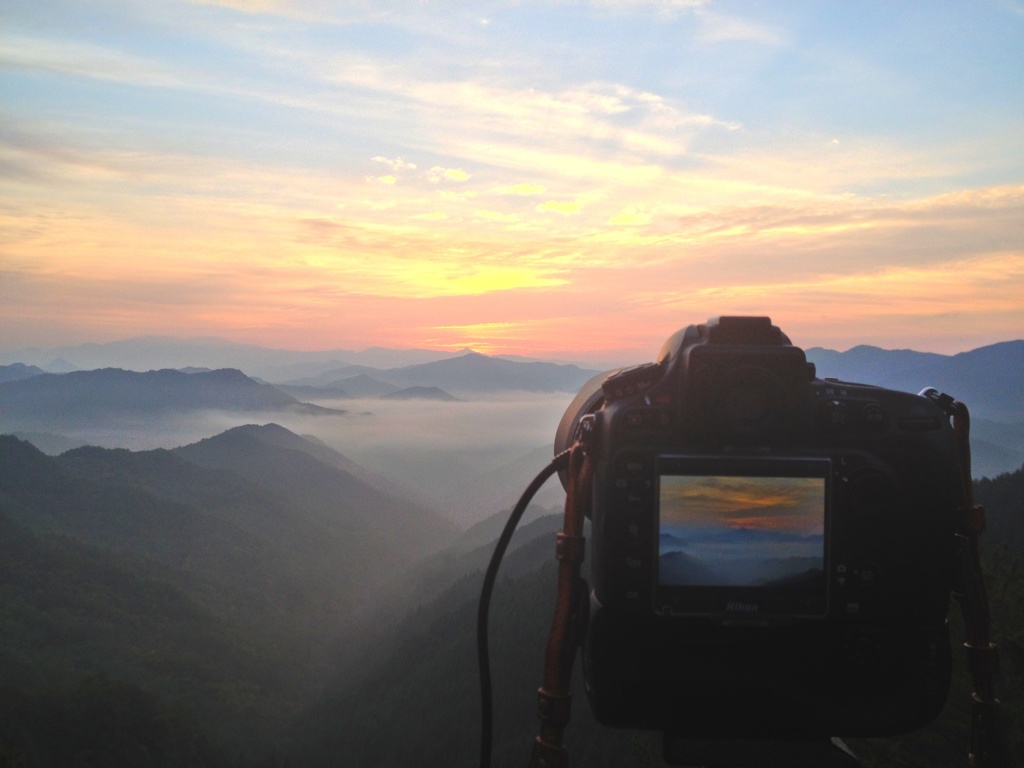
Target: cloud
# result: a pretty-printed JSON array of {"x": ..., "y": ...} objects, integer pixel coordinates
[
  {"x": 563, "y": 207},
  {"x": 395, "y": 164},
  {"x": 595, "y": 121},
  {"x": 81, "y": 59},
  {"x": 438, "y": 174},
  {"x": 597, "y": 116},
  {"x": 630, "y": 217},
  {"x": 309, "y": 11},
  {"x": 496, "y": 216},
  {"x": 665, "y": 8},
  {"x": 525, "y": 189},
  {"x": 720, "y": 28},
  {"x": 276, "y": 154}
]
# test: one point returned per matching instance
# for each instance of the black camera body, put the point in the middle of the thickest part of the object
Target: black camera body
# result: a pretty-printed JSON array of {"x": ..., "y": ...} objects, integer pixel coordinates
[{"x": 772, "y": 554}]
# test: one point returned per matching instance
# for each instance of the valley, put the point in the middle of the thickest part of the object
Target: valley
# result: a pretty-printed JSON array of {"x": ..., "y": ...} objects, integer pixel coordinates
[{"x": 224, "y": 574}]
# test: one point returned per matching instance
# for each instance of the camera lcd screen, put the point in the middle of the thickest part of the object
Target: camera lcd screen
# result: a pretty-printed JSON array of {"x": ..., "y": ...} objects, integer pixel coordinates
[{"x": 743, "y": 542}]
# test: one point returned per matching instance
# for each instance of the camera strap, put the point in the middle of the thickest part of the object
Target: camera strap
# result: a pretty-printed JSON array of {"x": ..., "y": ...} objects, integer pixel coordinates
[
  {"x": 987, "y": 746},
  {"x": 553, "y": 698},
  {"x": 558, "y": 464}
]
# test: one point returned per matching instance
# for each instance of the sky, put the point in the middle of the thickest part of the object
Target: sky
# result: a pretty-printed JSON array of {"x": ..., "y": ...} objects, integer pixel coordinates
[
  {"x": 791, "y": 504},
  {"x": 562, "y": 180}
]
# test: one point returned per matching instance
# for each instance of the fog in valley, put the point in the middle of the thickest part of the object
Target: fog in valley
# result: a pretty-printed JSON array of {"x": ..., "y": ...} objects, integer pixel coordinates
[{"x": 465, "y": 460}]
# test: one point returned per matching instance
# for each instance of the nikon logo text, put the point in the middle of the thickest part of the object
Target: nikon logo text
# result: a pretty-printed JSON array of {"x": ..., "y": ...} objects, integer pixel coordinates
[{"x": 735, "y": 607}]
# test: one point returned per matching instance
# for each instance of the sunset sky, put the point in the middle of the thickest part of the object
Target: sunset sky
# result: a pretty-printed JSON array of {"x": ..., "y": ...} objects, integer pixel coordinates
[
  {"x": 792, "y": 504},
  {"x": 569, "y": 180}
]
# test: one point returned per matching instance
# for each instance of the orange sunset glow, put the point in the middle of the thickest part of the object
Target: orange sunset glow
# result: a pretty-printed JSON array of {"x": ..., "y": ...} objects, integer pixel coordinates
[
  {"x": 321, "y": 175},
  {"x": 752, "y": 503}
]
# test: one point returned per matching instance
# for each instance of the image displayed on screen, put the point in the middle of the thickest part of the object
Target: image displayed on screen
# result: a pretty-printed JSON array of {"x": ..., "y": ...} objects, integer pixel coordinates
[{"x": 725, "y": 531}]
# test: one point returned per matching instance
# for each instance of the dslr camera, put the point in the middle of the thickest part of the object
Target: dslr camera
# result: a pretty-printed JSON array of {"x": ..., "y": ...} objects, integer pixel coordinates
[{"x": 772, "y": 553}]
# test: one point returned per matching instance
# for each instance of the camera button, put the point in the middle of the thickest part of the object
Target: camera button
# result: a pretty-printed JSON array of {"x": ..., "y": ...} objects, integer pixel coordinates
[
  {"x": 874, "y": 417},
  {"x": 834, "y": 415},
  {"x": 841, "y": 575},
  {"x": 648, "y": 419},
  {"x": 867, "y": 574}
]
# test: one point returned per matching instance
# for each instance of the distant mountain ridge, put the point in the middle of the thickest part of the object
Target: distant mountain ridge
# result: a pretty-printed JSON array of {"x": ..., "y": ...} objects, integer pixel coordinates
[
  {"x": 989, "y": 379},
  {"x": 53, "y": 401},
  {"x": 155, "y": 352},
  {"x": 475, "y": 372},
  {"x": 466, "y": 374},
  {"x": 382, "y": 391},
  {"x": 991, "y": 373},
  {"x": 421, "y": 393},
  {"x": 19, "y": 371},
  {"x": 864, "y": 358}
]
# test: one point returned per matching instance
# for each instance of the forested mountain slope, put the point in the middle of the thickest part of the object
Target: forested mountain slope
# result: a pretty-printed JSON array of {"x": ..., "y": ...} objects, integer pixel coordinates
[
  {"x": 219, "y": 592},
  {"x": 103, "y": 655}
]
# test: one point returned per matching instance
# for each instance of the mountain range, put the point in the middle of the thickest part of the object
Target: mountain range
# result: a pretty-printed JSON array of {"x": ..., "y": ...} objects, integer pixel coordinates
[
  {"x": 219, "y": 575},
  {"x": 53, "y": 402},
  {"x": 155, "y": 352},
  {"x": 275, "y": 365},
  {"x": 259, "y": 491},
  {"x": 55, "y": 410},
  {"x": 468, "y": 374},
  {"x": 989, "y": 379},
  {"x": 992, "y": 374}
]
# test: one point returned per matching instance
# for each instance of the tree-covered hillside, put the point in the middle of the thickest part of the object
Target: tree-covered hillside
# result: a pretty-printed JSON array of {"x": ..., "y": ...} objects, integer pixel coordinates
[
  {"x": 101, "y": 655},
  {"x": 214, "y": 581}
]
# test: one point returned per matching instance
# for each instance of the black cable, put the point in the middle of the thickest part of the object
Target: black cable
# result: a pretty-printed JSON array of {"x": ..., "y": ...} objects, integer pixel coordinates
[{"x": 558, "y": 463}]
